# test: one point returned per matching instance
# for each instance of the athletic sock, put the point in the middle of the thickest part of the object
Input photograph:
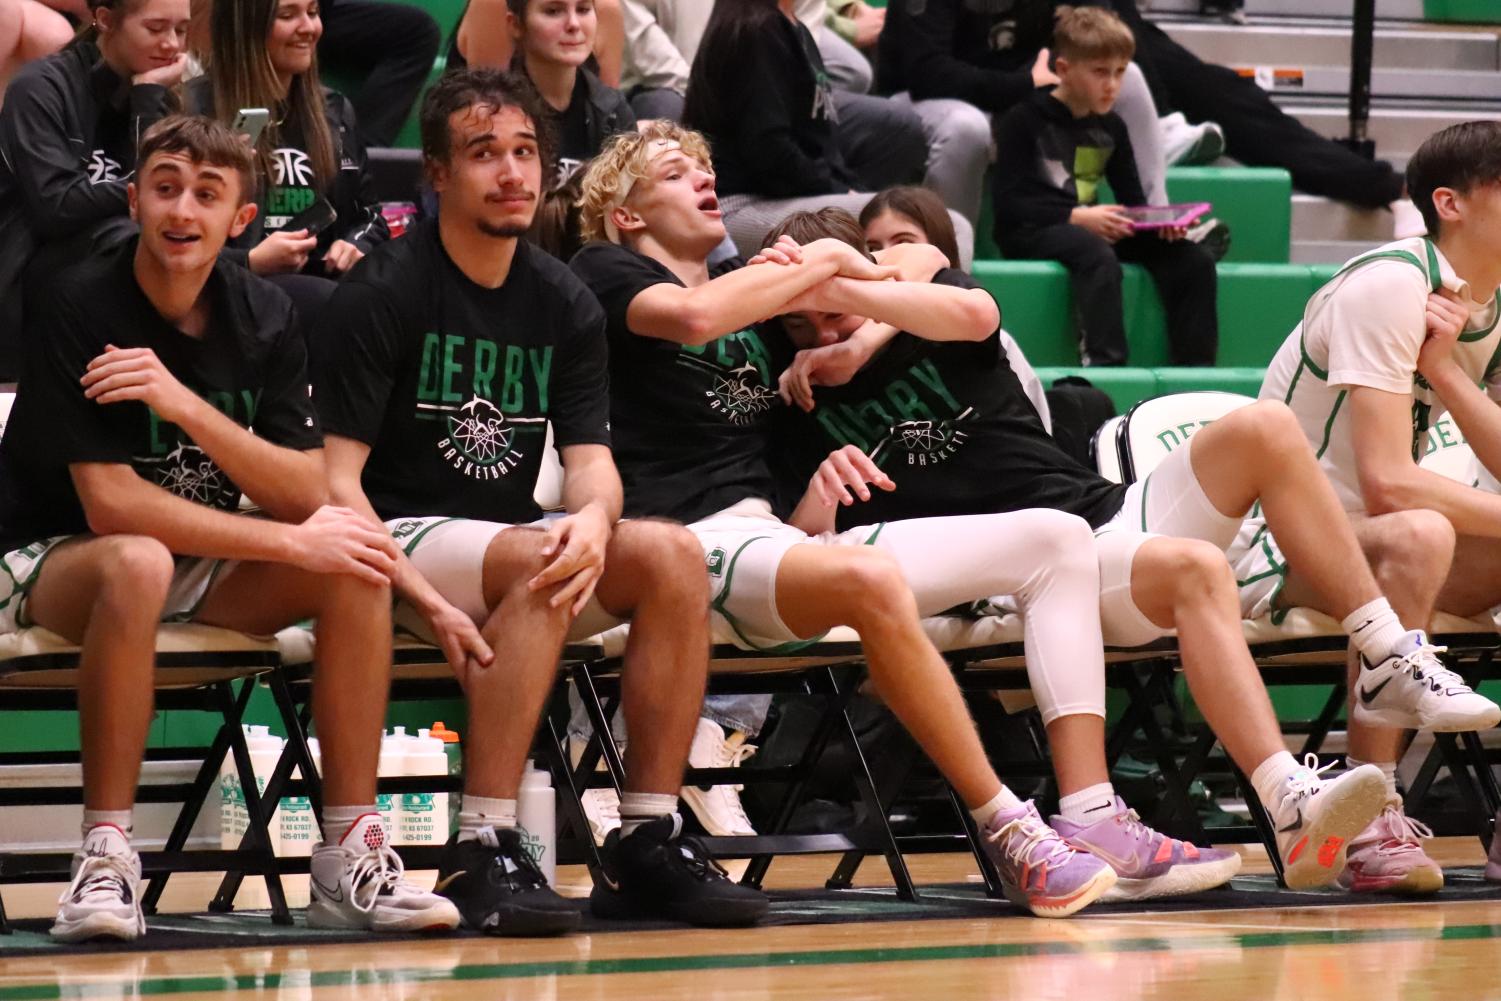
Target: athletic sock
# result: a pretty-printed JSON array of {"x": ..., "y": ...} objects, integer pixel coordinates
[
  {"x": 1003, "y": 800},
  {"x": 1088, "y": 804},
  {"x": 106, "y": 831},
  {"x": 637, "y": 808},
  {"x": 1270, "y": 782},
  {"x": 1375, "y": 629},
  {"x": 484, "y": 811},
  {"x": 337, "y": 820},
  {"x": 1388, "y": 772}
]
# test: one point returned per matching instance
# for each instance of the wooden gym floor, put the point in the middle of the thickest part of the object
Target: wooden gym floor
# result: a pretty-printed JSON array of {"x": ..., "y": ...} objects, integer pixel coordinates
[{"x": 1395, "y": 952}]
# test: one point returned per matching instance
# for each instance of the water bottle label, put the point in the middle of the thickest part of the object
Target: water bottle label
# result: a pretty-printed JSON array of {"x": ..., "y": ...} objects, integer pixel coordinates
[
  {"x": 532, "y": 845},
  {"x": 417, "y": 802}
]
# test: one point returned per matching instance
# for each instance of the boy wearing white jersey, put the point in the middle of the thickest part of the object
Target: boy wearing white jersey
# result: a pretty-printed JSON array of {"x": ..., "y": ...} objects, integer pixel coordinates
[{"x": 1399, "y": 336}]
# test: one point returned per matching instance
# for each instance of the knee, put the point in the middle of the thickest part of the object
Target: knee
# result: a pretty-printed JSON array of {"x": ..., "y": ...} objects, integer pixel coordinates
[
  {"x": 1418, "y": 543},
  {"x": 966, "y": 131},
  {"x": 137, "y": 572},
  {"x": 371, "y": 599},
  {"x": 876, "y": 591},
  {"x": 1063, "y": 544},
  {"x": 660, "y": 557},
  {"x": 1269, "y": 428},
  {"x": 1197, "y": 569}
]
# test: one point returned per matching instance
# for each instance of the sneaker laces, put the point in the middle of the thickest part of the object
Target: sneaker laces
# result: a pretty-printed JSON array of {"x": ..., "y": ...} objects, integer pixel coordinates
[
  {"x": 101, "y": 876},
  {"x": 696, "y": 859},
  {"x": 1307, "y": 781},
  {"x": 377, "y": 872},
  {"x": 1033, "y": 834},
  {"x": 726, "y": 756},
  {"x": 1403, "y": 830},
  {"x": 522, "y": 872},
  {"x": 1423, "y": 664},
  {"x": 605, "y": 805}
]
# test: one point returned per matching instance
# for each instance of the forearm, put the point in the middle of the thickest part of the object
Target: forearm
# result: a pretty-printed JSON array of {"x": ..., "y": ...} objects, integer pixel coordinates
[
  {"x": 933, "y": 312},
  {"x": 1470, "y": 511},
  {"x": 734, "y": 301},
  {"x": 187, "y": 528},
  {"x": 1477, "y": 415},
  {"x": 596, "y": 485},
  {"x": 484, "y": 38},
  {"x": 286, "y": 483}
]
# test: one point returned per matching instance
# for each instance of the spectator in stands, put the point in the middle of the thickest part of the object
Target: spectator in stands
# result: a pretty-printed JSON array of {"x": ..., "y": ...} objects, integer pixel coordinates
[
  {"x": 775, "y": 142},
  {"x": 485, "y": 38},
  {"x": 123, "y": 464},
  {"x": 1053, "y": 150},
  {"x": 389, "y": 49},
  {"x": 949, "y": 56},
  {"x": 68, "y": 134},
  {"x": 30, "y": 30},
  {"x": 264, "y": 55},
  {"x": 1259, "y": 133}
]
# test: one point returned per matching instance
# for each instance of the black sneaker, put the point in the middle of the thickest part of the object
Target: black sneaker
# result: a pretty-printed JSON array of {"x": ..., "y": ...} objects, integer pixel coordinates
[
  {"x": 1213, "y": 235},
  {"x": 654, "y": 873},
  {"x": 499, "y": 890}
]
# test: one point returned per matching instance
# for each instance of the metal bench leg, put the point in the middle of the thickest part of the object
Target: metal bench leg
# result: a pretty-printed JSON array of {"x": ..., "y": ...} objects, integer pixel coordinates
[
  {"x": 1265, "y": 826},
  {"x": 256, "y": 847},
  {"x": 554, "y": 750}
]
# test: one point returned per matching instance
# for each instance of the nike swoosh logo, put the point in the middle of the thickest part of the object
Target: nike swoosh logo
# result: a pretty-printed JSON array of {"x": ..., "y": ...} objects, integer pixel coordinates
[
  {"x": 1295, "y": 825},
  {"x": 1126, "y": 866},
  {"x": 336, "y": 895},
  {"x": 609, "y": 881},
  {"x": 1368, "y": 695},
  {"x": 446, "y": 881}
]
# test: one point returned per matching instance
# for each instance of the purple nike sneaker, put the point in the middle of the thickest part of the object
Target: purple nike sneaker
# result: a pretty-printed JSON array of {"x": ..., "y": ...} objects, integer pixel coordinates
[
  {"x": 1148, "y": 863},
  {"x": 1038, "y": 870}
]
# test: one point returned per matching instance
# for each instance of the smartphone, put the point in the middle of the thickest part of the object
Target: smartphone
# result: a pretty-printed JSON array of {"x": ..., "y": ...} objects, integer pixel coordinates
[
  {"x": 1146, "y": 217},
  {"x": 315, "y": 218},
  {"x": 251, "y": 122}
]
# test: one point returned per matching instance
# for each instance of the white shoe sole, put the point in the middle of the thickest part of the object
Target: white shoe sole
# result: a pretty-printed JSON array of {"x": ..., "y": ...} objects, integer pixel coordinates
[
  {"x": 1441, "y": 722},
  {"x": 698, "y": 802},
  {"x": 1087, "y": 894},
  {"x": 443, "y": 917},
  {"x": 1321, "y": 858},
  {"x": 100, "y": 924},
  {"x": 1177, "y": 881}
]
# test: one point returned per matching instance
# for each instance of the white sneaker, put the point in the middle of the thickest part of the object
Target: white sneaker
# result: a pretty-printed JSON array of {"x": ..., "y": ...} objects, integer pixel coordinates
[
  {"x": 1326, "y": 816},
  {"x": 1413, "y": 690},
  {"x": 104, "y": 898},
  {"x": 601, "y": 806},
  {"x": 1187, "y": 145},
  {"x": 718, "y": 807},
  {"x": 358, "y": 883}
]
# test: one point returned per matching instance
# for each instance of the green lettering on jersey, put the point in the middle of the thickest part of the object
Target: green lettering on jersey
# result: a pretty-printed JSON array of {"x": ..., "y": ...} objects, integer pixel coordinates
[
  {"x": 541, "y": 362},
  {"x": 485, "y": 356},
  {"x": 290, "y": 201},
  {"x": 252, "y": 403},
  {"x": 926, "y": 373},
  {"x": 165, "y": 436},
  {"x": 427, "y": 376},
  {"x": 512, "y": 392},
  {"x": 841, "y": 432},
  {"x": 451, "y": 368},
  {"x": 906, "y": 401}
]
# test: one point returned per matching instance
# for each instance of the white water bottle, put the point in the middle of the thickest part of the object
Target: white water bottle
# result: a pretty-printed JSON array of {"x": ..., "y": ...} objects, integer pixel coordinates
[
  {"x": 424, "y": 815},
  {"x": 232, "y": 815},
  {"x": 536, "y": 816},
  {"x": 265, "y": 752},
  {"x": 299, "y": 827},
  {"x": 391, "y": 764}
]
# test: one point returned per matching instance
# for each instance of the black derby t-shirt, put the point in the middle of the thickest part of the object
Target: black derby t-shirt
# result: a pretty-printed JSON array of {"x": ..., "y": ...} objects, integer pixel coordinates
[
  {"x": 690, "y": 422},
  {"x": 249, "y": 364},
  {"x": 452, "y": 385},
  {"x": 951, "y": 425}
]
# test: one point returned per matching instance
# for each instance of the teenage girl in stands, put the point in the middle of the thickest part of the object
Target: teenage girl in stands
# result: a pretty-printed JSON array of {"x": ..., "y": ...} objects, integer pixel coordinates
[{"x": 263, "y": 54}]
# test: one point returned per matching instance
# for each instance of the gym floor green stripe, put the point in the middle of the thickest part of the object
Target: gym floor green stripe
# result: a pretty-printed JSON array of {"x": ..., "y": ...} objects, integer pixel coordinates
[{"x": 160, "y": 986}]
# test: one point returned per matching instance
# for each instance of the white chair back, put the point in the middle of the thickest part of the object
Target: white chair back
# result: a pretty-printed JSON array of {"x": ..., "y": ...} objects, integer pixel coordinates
[
  {"x": 1106, "y": 449},
  {"x": 1153, "y": 429}
]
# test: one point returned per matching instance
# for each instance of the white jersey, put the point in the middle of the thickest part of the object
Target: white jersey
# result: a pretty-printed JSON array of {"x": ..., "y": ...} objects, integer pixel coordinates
[{"x": 1365, "y": 328}]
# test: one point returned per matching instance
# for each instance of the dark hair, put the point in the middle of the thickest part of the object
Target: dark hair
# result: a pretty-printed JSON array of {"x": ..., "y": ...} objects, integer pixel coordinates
[
  {"x": 718, "y": 68},
  {"x": 89, "y": 32},
  {"x": 482, "y": 87},
  {"x": 204, "y": 141},
  {"x": 1461, "y": 157},
  {"x": 240, "y": 69},
  {"x": 557, "y": 226},
  {"x": 805, "y": 227},
  {"x": 923, "y": 207}
]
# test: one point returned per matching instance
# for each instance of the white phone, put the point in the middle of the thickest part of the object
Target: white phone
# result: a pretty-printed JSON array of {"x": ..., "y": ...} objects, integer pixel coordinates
[{"x": 250, "y": 122}]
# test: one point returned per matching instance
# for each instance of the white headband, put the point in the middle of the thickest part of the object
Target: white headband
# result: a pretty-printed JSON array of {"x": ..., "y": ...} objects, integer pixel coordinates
[{"x": 655, "y": 148}]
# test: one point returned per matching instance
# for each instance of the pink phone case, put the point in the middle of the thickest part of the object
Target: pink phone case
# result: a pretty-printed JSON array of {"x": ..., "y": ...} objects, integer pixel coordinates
[{"x": 1150, "y": 217}]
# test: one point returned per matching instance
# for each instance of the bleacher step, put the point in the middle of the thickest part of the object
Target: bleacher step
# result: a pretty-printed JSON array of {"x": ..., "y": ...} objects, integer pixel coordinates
[
  {"x": 1330, "y": 252},
  {"x": 1395, "y": 130},
  {"x": 1292, "y": 45},
  {"x": 1315, "y": 218},
  {"x": 1401, "y": 10}
]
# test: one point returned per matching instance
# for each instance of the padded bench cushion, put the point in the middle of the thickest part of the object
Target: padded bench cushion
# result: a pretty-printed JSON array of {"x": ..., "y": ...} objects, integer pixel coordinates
[{"x": 188, "y": 655}]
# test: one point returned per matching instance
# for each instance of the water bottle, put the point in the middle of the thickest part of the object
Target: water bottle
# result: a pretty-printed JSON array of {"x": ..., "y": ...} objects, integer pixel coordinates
[
  {"x": 424, "y": 814},
  {"x": 536, "y": 815},
  {"x": 455, "y": 757}
]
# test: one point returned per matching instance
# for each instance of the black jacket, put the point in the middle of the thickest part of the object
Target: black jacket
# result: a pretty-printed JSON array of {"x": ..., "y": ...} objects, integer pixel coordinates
[
  {"x": 351, "y": 193},
  {"x": 775, "y": 136},
  {"x": 68, "y": 136},
  {"x": 1048, "y": 162},
  {"x": 980, "y": 51}
]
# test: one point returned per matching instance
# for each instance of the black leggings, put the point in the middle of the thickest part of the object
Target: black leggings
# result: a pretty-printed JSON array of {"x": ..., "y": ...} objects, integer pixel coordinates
[
  {"x": 391, "y": 46},
  {"x": 1183, "y": 272}
]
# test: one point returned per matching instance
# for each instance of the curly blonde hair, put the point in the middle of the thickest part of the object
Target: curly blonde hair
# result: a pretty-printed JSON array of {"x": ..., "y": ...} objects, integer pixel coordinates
[{"x": 624, "y": 160}]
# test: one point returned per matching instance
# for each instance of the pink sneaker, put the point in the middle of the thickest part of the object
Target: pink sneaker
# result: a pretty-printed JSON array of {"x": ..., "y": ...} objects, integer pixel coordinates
[
  {"x": 1038, "y": 869},
  {"x": 1387, "y": 858},
  {"x": 1148, "y": 863}
]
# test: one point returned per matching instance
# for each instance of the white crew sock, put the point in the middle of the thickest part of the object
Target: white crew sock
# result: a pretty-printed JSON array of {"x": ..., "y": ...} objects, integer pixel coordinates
[
  {"x": 1089, "y": 804},
  {"x": 1003, "y": 800},
  {"x": 484, "y": 811},
  {"x": 637, "y": 808},
  {"x": 106, "y": 831},
  {"x": 1375, "y": 629},
  {"x": 337, "y": 820},
  {"x": 1270, "y": 782},
  {"x": 1388, "y": 771}
]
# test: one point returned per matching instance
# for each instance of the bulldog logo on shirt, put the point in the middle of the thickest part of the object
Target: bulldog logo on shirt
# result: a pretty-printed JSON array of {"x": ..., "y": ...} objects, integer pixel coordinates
[
  {"x": 189, "y": 473},
  {"x": 481, "y": 443},
  {"x": 925, "y": 443},
  {"x": 102, "y": 169},
  {"x": 740, "y": 386}
]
